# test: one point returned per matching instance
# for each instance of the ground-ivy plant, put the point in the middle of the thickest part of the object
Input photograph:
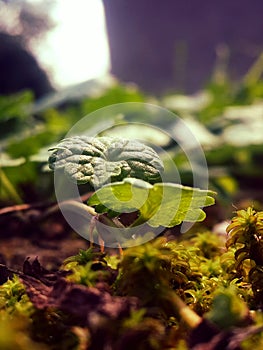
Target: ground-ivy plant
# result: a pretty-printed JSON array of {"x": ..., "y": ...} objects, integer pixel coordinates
[{"x": 126, "y": 177}]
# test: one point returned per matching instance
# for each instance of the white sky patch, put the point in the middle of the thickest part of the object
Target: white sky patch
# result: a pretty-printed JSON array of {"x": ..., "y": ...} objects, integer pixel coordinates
[{"x": 76, "y": 49}]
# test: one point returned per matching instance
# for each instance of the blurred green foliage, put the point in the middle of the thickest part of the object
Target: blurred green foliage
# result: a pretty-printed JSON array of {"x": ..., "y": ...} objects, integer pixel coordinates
[
  {"x": 226, "y": 118},
  {"x": 26, "y": 136}
]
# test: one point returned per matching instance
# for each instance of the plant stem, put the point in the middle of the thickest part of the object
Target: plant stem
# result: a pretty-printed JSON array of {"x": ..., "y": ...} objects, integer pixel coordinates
[
  {"x": 9, "y": 188},
  {"x": 188, "y": 315},
  {"x": 255, "y": 72},
  {"x": 73, "y": 206}
]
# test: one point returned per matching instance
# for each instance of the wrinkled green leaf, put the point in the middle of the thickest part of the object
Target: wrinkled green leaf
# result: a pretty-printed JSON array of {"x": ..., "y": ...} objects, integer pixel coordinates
[
  {"x": 102, "y": 159},
  {"x": 161, "y": 204}
]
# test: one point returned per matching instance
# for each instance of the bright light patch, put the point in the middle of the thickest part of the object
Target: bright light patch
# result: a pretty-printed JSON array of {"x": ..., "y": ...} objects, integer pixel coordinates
[{"x": 77, "y": 49}]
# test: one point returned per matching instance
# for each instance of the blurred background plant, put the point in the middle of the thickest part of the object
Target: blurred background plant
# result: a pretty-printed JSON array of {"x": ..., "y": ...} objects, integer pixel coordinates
[{"x": 230, "y": 134}]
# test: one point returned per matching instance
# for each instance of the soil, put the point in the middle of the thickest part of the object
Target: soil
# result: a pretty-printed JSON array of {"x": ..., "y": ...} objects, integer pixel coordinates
[{"x": 24, "y": 235}]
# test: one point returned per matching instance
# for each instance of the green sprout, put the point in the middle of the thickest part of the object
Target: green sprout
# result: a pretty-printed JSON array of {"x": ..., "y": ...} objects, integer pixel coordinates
[{"x": 134, "y": 171}]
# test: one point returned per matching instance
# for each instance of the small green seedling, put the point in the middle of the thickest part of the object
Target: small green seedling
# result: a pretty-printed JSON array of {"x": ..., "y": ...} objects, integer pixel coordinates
[{"x": 126, "y": 178}]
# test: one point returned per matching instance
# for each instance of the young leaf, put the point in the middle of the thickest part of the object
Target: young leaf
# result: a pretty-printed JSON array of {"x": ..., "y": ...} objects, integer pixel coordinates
[
  {"x": 99, "y": 160},
  {"x": 161, "y": 204}
]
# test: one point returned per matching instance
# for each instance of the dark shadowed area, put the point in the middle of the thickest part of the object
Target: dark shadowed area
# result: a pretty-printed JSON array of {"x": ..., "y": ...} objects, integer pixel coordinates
[
  {"x": 23, "y": 23},
  {"x": 20, "y": 69}
]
